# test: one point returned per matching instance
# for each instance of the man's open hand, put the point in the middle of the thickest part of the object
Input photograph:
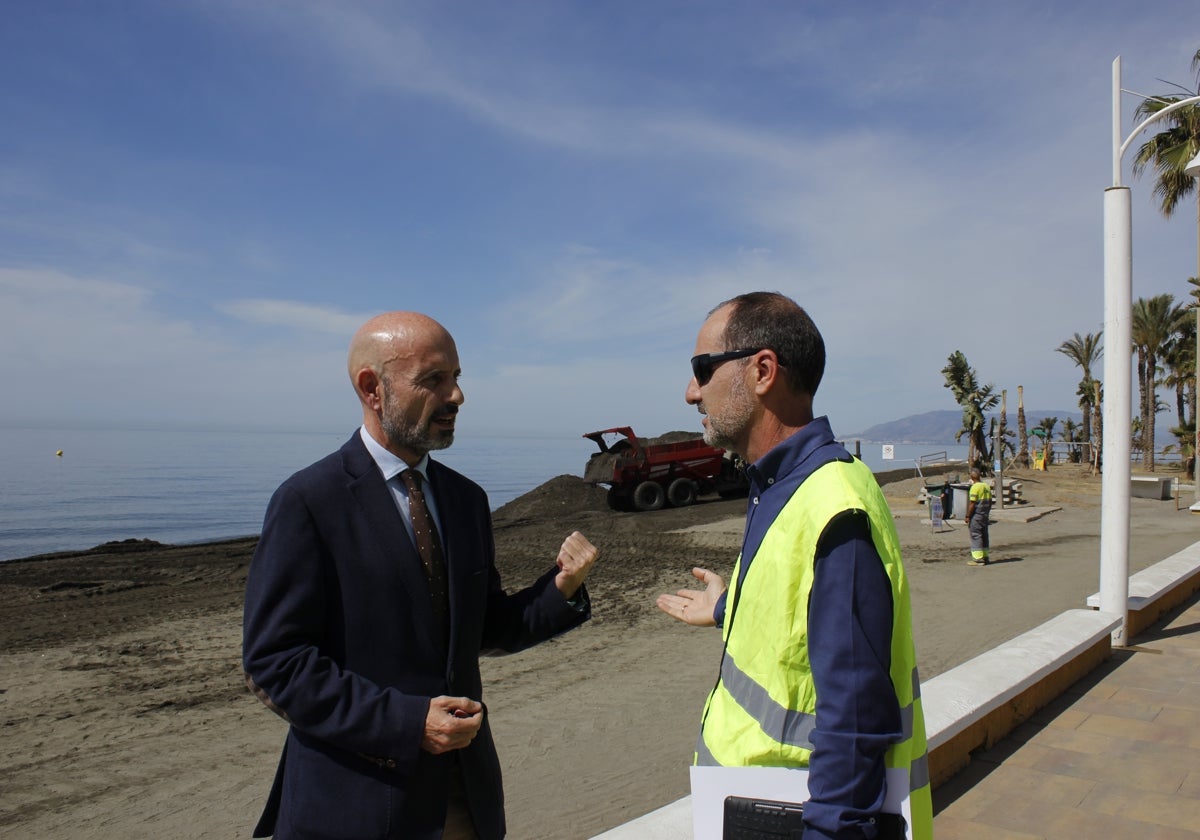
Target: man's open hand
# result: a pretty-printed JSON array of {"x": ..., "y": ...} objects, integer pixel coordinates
[{"x": 693, "y": 606}]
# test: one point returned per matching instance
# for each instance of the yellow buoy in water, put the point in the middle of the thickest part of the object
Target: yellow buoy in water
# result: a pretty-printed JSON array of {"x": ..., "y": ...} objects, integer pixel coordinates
[{"x": 59, "y": 453}]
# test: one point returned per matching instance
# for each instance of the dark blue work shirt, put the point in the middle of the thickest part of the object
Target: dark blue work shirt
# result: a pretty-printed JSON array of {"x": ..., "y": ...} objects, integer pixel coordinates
[{"x": 849, "y": 636}]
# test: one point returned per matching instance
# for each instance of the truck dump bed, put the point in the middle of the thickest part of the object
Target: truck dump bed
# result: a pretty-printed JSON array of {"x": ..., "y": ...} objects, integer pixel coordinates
[{"x": 646, "y": 476}]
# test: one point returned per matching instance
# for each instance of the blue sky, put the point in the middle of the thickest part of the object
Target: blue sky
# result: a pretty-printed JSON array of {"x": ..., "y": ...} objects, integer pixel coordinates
[{"x": 201, "y": 201}]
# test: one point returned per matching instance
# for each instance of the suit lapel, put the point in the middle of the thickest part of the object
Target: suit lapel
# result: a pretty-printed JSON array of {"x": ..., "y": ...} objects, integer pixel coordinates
[
  {"x": 452, "y": 508},
  {"x": 393, "y": 548}
]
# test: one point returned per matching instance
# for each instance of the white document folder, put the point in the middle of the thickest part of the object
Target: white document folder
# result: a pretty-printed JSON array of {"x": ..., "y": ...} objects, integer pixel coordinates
[{"x": 710, "y": 786}]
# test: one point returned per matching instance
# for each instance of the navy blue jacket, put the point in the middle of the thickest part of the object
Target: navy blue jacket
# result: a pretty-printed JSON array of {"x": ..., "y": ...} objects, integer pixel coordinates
[
  {"x": 849, "y": 640},
  {"x": 338, "y": 632}
]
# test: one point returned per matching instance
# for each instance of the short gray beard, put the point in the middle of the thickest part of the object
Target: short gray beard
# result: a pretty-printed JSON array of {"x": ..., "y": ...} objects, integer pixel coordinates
[
  {"x": 411, "y": 436},
  {"x": 723, "y": 433}
]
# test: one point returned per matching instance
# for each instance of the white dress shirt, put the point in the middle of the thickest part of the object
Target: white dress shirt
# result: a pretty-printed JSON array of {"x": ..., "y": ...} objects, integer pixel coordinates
[{"x": 391, "y": 466}]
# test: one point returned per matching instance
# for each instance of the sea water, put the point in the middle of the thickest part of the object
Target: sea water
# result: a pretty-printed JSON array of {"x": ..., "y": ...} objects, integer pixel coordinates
[{"x": 196, "y": 486}]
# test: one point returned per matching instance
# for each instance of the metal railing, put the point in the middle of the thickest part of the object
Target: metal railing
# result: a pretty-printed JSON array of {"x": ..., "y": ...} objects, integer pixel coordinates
[{"x": 933, "y": 458}]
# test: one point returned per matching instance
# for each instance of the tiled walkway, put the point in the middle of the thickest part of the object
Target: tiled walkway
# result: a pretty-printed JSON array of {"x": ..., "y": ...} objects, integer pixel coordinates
[{"x": 1117, "y": 756}]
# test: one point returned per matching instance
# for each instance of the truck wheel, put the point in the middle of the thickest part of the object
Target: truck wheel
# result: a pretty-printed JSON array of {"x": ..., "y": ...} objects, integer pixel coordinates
[
  {"x": 681, "y": 492},
  {"x": 648, "y": 496},
  {"x": 617, "y": 500}
]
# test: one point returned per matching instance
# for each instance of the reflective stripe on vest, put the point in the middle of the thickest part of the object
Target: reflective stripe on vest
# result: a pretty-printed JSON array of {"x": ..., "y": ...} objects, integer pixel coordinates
[{"x": 762, "y": 710}]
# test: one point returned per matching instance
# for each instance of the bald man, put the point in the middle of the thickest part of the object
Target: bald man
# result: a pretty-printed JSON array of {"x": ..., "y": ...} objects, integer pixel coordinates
[{"x": 370, "y": 596}]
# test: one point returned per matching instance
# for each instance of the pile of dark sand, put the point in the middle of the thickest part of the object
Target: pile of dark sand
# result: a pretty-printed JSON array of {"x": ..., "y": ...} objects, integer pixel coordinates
[
  {"x": 119, "y": 586},
  {"x": 68, "y": 596},
  {"x": 563, "y": 494}
]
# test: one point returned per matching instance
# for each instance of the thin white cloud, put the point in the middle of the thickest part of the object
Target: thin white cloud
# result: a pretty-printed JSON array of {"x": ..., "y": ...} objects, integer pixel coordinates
[
  {"x": 87, "y": 349},
  {"x": 89, "y": 233},
  {"x": 919, "y": 194},
  {"x": 578, "y": 396},
  {"x": 589, "y": 299},
  {"x": 295, "y": 315},
  {"x": 378, "y": 50}
]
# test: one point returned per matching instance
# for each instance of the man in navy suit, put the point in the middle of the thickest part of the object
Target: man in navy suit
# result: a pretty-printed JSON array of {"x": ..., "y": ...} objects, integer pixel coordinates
[{"x": 365, "y": 634}]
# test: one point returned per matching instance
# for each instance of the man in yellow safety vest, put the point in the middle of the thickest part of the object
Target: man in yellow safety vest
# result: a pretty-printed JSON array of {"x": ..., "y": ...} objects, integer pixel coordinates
[
  {"x": 819, "y": 669},
  {"x": 979, "y": 511}
]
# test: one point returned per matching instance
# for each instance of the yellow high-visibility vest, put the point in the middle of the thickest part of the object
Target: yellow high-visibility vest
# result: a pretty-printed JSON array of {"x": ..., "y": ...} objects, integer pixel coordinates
[{"x": 763, "y": 708}]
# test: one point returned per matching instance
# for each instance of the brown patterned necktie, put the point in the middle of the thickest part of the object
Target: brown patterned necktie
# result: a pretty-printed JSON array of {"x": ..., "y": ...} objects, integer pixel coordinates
[{"x": 429, "y": 547}]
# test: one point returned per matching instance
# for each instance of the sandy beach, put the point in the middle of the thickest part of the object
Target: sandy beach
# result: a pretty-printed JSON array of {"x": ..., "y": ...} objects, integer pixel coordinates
[{"x": 125, "y": 715}]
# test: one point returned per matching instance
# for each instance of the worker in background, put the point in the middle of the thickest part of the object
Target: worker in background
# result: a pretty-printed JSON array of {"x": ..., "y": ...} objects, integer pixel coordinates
[
  {"x": 819, "y": 669},
  {"x": 979, "y": 510}
]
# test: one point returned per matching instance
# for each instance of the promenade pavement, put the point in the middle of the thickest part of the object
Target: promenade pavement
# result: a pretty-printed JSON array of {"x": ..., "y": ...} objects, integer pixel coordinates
[{"x": 1117, "y": 755}]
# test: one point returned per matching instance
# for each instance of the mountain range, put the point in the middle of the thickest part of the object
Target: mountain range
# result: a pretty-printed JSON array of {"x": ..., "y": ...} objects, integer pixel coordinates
[{"x": 942, "y": 426}]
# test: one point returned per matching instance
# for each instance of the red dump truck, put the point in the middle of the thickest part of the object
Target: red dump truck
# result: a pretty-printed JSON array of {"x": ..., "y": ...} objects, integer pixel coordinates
[{"x": 645, "y": 476}]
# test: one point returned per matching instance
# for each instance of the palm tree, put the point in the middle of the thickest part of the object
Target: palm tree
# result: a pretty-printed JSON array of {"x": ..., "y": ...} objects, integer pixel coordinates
[
  {"x": 1153, "y": 326},
  {"x": 1045, "y": 429},
  {"x": 1179, "y": 363},
  {"x": 1169, "y": 151},
  {"x": 975, "y": 401},
  {"x": 1193, "y": 306},
  {"x": 1071, "y": 434},
  {"x": 1185, "y": 438},
  {"x": 1003, "y": 426},
  {"x": 1084, "y": 350},
  {"x": 1173, "y": 148},
  {"x": 1005, "y": 436},
  {"x": 1022, "y": 435}
]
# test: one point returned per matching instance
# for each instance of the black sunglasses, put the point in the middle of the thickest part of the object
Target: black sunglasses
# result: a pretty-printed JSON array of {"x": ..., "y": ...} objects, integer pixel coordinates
[{"x": 704, "y": 364}]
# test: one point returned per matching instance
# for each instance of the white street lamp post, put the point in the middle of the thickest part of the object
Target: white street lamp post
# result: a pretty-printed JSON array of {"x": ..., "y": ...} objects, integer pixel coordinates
[
  {"x": 1193, "y": 170},
  {"x": 1118, "y": 339}
]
